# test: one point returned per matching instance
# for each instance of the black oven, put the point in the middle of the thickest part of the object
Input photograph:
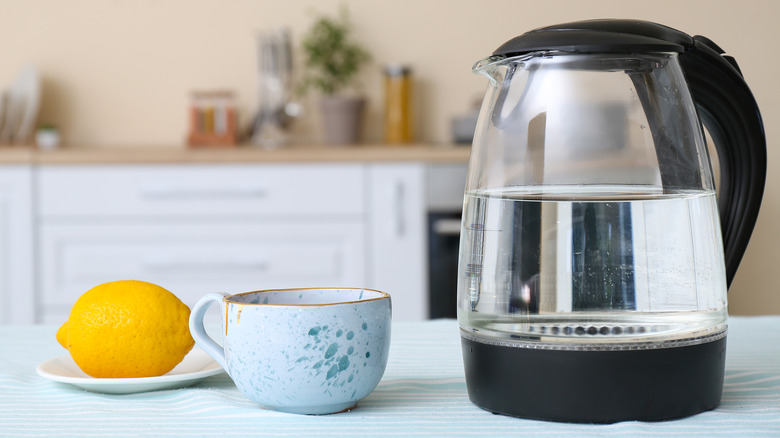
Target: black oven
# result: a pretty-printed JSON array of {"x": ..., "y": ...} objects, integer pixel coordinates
[
  {"x": 443, "y": 242},
  {"x": 445, "y": 204}
]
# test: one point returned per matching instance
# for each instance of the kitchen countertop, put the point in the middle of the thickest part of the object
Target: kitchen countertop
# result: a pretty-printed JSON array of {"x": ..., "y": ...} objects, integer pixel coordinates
[
  {"x": 422, "y": 393},
  {"x": 240, "y": 154},
  {"x": 16, "y": 154}
]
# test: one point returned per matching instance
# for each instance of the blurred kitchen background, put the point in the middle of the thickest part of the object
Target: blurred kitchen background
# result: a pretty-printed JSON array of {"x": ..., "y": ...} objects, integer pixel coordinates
[{"x": 118, "y": 74}]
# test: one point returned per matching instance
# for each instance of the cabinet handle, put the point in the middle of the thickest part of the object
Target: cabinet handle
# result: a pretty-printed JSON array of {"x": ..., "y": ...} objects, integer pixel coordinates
[
  {"x": 400, "y": 216},
  {"x": 202, "y": 266},
  {"x": 168, "y": 193}
]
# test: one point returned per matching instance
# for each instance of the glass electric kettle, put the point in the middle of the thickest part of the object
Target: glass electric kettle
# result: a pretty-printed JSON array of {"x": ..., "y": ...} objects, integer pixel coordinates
[{"x": 595, "y": 255}]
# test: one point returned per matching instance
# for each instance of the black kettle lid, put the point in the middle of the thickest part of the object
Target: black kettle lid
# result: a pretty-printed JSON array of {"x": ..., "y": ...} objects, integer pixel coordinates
[{"x": 605, "y": 36}]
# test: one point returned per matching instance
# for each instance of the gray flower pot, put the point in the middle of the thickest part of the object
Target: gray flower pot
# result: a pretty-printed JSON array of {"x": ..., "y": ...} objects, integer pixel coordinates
[{"x": 342, "y": 119}]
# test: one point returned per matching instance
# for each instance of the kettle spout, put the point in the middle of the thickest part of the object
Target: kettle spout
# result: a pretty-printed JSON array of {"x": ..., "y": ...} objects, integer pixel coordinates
[{"x": 492, "y": 67}]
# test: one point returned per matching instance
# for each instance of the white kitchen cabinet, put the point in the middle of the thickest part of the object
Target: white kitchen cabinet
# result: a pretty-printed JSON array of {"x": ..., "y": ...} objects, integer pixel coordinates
[
  {"x": 16, "y": 255},
  {"x": 193, "y": 259},
  {"x": 196, "y": 229},
  {"x": 207, "y": 227},
  {"x": 398, "y": 237}
]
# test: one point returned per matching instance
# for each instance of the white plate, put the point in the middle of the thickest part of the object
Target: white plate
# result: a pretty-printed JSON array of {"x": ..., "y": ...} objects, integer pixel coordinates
[
  {"x": 3, "y": 110},
  {"x": 28, "y": 85},
  {"x": 196, "y": 366},
  {"x": 11, "y": 103}
]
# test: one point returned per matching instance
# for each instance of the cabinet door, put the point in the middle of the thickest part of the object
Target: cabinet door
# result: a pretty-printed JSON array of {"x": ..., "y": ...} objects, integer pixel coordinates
[
  {"x": 16, "y": 270},
  {"x": 192, "y": 260},
  {"x": 397, "y": 238}
]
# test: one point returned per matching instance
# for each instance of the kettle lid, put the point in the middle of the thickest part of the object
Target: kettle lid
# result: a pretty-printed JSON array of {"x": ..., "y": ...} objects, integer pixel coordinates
[{"x": 606, "y": 36}]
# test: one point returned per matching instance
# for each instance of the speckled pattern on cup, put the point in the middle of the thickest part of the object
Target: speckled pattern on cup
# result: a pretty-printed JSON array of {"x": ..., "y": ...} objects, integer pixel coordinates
[{"x": 306, "y": 351}]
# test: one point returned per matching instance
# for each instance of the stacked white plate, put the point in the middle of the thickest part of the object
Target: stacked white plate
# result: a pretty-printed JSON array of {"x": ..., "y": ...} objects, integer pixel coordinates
[{"x": 19, "y": 107}]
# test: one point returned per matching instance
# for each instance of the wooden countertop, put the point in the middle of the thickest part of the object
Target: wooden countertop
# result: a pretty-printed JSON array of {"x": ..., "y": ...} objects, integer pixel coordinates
[
  {"x": 240, "y": 154},
  {"x": 15, "y": 154}
]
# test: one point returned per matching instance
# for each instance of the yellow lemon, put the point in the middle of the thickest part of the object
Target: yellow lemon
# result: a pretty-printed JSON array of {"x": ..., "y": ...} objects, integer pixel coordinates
[{"x": 127, "y": 328}]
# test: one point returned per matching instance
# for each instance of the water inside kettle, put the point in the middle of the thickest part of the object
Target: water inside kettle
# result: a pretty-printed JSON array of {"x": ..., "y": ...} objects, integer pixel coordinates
[{"x": 592, "y": 265}]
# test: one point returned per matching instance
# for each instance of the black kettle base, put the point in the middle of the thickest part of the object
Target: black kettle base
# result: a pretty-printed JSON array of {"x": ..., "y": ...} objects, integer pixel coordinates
[{"x": 595, "y": 386}]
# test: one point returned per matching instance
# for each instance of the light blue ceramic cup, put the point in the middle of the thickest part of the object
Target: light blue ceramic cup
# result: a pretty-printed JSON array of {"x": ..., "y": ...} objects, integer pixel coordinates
[{"x": 303, "y": 351}]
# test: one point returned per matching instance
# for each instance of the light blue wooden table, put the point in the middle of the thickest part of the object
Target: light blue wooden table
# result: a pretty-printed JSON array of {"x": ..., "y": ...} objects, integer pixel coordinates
[{"x": 423, "y": 393}]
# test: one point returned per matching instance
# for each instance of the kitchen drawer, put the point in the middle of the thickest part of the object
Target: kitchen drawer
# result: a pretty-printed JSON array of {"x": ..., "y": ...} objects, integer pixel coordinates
[
  {"x": 132, "y": 191},
  {"x": 193, "y": 260}
]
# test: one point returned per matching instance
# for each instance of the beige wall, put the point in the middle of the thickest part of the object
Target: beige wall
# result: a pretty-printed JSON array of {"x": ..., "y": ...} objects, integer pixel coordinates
[{"x": 118, "y": 72}]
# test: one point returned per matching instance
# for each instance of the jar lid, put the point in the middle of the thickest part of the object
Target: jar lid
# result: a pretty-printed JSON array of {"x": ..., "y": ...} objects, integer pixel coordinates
[{"x": 397, "y": 70}]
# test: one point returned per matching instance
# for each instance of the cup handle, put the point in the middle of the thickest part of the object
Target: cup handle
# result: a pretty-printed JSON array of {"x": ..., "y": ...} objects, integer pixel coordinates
[{"x": 198, "y": 331}]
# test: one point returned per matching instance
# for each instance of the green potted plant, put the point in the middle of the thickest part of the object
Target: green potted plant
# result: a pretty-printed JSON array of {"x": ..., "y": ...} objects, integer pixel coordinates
[
  {"x": 47, "y": 136},
  {"x": 332, "y": 62}
]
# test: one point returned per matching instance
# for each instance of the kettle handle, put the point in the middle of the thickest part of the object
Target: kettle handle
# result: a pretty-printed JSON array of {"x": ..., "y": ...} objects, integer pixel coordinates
[{"x": 730, "y": 113}]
